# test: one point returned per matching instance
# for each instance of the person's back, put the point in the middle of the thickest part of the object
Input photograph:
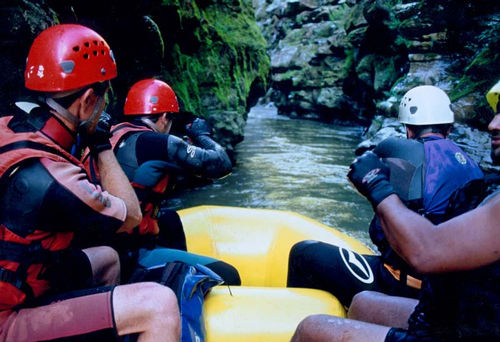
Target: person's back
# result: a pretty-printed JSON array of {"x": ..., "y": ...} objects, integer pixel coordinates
[
  {"x": 435, "y": 171},
  {"x": 427, "y": 170},
  {"x": 461, "y": 295},
  {"x": 47, "y": 197},
  {"x": 151, "y": 157},
  {"x": 439, "y": 181}
]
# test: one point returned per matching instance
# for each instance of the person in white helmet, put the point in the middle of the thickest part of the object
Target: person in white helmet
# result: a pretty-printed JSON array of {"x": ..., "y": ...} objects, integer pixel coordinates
[
  {"x": 434, "y": 178},
  {"x": 460, "y": 299}
]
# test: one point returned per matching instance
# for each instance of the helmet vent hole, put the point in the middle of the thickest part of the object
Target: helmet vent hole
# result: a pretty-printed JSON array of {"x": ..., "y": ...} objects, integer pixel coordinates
[
  {"x": 86, "y": 56},
  {"x": 87, "y": 44},
  {"x": 76, "y": 48},
  {"x": 103, "y": 71},
  {"x": 103, "y": 52},
  {"x": 413, "y": 109},
  {"x": 95, "y": 42},
  {"x": 95, "y": 52}
]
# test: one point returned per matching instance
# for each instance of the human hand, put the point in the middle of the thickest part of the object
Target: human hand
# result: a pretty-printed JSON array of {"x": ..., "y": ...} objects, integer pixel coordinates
[
  {"x": 197, "y": 128},
  {"x": 98, "y": 140},
  {"x": 370, "y": 176}
]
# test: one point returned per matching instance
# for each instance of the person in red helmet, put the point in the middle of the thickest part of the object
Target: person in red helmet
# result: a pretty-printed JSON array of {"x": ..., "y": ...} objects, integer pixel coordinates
[
  {"x": 150, "y": 156},
  {"x": 48, "y": 289}
]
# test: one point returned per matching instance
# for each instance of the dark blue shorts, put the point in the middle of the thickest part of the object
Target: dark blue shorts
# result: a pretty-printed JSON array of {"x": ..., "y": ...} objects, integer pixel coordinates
[{"x": 402, "y": 335}]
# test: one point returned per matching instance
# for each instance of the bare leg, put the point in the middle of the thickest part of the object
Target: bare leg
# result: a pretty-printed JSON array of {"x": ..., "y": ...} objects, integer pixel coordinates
[
  {"x": 149, "y": 309},
  {"x": 325, "y": 328},
  {"x": 379, "y": 308},
  {"x": 105, "y": 265}
]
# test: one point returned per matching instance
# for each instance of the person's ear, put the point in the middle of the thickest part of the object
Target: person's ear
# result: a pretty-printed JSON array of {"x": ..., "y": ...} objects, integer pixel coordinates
[
  {"x": 409, "y": 132},
  {"x": 88, "y": 98},
  {"x": 88, "y": 101}
]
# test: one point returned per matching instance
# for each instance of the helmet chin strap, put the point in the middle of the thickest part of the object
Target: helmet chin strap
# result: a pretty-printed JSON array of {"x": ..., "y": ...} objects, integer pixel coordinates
[
  {"x": 150, "y": 124},
  {"x": 70, "y": 117},
  {"x": 95, "y": 113},
  {"x": 62, "y": 111}
]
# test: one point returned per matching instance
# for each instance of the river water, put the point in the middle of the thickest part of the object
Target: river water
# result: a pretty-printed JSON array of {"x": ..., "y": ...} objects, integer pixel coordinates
[{"x": 294, "y": 165}]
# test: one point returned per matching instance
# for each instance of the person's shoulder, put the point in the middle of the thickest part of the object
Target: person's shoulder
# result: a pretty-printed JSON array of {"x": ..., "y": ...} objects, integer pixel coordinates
[
  {"x": 393, "y": 147},
  {"x": 31, "y": 175},
  {"x": 151, "y": 137}
]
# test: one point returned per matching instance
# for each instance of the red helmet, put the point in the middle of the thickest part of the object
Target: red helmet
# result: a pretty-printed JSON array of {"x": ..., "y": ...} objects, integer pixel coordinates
[
  {"x": 150, "y": 96},
  {"x": 66, "y": 57}
]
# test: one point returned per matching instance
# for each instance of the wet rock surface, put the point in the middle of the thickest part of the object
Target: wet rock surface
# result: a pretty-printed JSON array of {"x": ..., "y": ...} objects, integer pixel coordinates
[
  {"x": 211, "y": 53},
  {"x": 353, "y": 60}
]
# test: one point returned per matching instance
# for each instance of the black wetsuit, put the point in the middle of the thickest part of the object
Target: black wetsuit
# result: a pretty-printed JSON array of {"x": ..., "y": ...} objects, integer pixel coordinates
[
  {"x": 425, "y": 175},
  {"x": 149, "y": 159}
]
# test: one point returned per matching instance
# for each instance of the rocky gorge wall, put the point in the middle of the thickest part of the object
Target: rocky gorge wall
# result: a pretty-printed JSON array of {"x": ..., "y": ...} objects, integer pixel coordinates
[
  {"x": 211, "y": 52},
  {"x": 330, "y": 60},
  {"x": 352, "y": 60}
]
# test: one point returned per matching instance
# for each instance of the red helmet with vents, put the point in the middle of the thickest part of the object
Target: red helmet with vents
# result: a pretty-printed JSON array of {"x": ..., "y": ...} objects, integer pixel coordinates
[
  {"x": 68, "y": 56},
  {"x": 150, "y": 96}
]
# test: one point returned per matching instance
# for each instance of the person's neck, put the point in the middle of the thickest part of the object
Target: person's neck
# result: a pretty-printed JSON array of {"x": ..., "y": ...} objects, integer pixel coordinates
[
  {"x": 431, "y": 134},
  {"x": 58, "y": 130}
]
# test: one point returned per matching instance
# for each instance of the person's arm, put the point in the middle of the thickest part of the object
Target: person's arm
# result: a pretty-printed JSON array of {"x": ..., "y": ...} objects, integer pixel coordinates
[
  {"x": 210, "y": 163},
  {"x": 114, "y": 181},
  {"x": 465, "y": 242}
]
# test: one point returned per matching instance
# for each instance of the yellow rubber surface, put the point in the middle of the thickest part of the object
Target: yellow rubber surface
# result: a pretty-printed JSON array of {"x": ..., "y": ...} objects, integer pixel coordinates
[
  {"x": 266, "y": 314},
  {"x": 256, "y": 241}
]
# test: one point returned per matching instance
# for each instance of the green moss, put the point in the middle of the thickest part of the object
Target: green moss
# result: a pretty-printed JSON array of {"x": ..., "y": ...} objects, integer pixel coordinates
[
  {"x": 232, "y": 54},
  {"x": 338, "y": 14},
  {"x": 479, "y": 75}
]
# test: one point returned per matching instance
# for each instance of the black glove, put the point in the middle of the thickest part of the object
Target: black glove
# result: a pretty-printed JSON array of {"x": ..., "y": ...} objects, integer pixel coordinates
[
  {"x": 198, "y": 128},
  {"x": 370, "y": 176},
  {"x": 97, "y": 141}
]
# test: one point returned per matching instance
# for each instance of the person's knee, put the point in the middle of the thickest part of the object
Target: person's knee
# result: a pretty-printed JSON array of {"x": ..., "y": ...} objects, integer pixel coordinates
[
  {"x": 226, "y": 271},
  {"x": 158, "y": 299},
  {"x": 146, "y": 307},
  {"x": 111, "y": 256},
  {"x": 105, "y": 263},
  {"x": 298, "y": 264},
  {"x": 162, "y": 311},
  {"x": 360, "y": 303},
  {"x": 299, "y": 248},
  {"x": 307, "y": 330},
  {"x": 112, "y": 273}
]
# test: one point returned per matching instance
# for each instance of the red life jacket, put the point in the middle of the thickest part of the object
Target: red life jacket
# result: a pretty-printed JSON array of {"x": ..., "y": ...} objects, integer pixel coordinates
[
  {"x": 22, "y": 259},
  {"x": 150, "y": 198}
]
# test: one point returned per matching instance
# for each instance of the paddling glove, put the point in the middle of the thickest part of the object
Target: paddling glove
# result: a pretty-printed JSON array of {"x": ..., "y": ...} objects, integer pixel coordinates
[
  {"x": 370, "y": 176},
  {"x": 198, "y": 128},
  {"x": 98, "y": 141}
]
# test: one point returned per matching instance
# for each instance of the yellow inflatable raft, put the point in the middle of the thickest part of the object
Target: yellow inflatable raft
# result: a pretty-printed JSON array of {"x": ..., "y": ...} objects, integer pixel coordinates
[{"x": 257, "y": 242}]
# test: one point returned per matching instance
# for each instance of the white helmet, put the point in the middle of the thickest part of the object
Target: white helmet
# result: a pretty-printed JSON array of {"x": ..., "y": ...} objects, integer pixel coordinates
[{"x": 425, "y": 105}]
